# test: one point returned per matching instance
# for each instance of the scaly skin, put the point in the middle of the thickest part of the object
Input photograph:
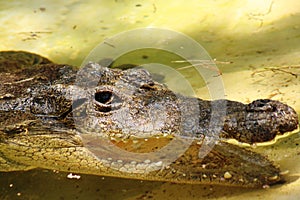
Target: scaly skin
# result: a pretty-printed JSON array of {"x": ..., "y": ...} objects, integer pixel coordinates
[{"x": 54, "y": 117}]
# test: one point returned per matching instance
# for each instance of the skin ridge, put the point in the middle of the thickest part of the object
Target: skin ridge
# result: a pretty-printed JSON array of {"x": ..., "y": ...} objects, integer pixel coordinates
[{"x": 49, "y": 115}]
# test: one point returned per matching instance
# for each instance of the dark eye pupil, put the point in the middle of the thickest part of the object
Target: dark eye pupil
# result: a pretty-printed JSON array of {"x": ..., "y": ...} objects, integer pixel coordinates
[{"x": 103, "y": 96}]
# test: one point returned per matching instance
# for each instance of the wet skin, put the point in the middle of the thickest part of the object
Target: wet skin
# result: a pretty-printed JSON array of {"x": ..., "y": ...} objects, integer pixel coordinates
[{"x": 55, "y": 117}]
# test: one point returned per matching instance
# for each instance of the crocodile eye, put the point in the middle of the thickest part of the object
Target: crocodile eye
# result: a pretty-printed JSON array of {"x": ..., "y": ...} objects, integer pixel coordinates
[
  {"x": 103, "y": 97},
  {"x": 107, "y": 101}
]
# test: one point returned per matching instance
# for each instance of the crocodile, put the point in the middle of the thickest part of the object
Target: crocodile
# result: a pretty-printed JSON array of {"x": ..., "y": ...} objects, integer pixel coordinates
[{"x": 59, "y": 117}]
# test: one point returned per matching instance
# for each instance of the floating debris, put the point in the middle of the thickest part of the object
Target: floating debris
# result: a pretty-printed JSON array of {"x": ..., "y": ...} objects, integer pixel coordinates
[{"x": 72, "y": 176}]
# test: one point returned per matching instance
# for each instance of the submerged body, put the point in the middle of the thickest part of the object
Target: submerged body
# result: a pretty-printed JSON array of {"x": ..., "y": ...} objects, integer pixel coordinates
[{"x": 55, "y": 117}]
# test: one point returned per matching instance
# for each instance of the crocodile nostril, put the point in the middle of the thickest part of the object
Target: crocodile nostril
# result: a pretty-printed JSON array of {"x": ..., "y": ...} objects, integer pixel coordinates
[
  {"x": 103, "y": 97},
  {"x": 261, "y": 105}
]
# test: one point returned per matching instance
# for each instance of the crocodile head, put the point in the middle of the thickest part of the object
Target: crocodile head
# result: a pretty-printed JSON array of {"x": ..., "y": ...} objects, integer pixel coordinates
[{"x": 55, "y": 117}]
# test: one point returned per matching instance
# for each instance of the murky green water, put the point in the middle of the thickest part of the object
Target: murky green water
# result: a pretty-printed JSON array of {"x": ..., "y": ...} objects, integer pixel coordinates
[{"x": 256, "y": 45}]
